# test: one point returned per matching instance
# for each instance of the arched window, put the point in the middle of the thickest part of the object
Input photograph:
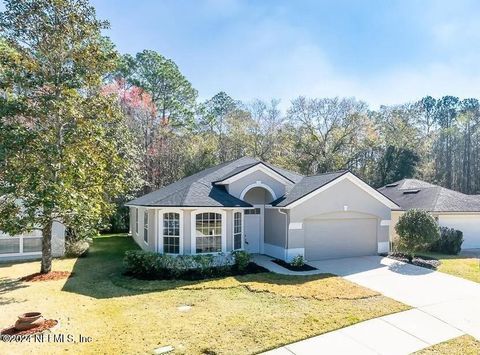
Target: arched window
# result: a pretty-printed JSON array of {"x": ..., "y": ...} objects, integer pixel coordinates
[
  {"x": 237, "y": 230},
  {"x": 208, "y": 233},
  {"x": 171, "y": 233}
]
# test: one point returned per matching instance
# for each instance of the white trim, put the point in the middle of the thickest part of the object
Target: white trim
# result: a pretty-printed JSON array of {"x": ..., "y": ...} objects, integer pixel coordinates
[
  {"x": 385, "y": 222},
  {"x": 258, "y": 184},
  {"x": 293, "y": 252},
  {"x": 193, "y": 215},
  {"x": 258, "y": 167},
  {"x": 295, "y": 225},
  {"x": 242, "y": 246},
  {"x": 160, "y": 231},
  {"x": 383, "y": 247},
  {"x": 145, "y": 212},
  {"x": 275, "y": 251},
  {"x": 352, "y": 178}
]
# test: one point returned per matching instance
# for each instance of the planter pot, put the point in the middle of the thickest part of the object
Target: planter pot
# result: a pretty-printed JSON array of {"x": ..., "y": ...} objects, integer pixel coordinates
[{"x": 29, "y": 320}]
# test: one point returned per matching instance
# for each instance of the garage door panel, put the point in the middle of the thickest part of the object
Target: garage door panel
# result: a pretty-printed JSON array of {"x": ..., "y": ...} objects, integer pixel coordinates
[
  {"x": 469, "y": 225},
  {"x": 336, "y": 238}
]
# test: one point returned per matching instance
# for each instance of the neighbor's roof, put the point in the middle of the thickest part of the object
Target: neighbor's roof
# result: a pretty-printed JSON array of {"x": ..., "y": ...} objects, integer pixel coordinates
[
  {"x": 305, "y": 186},
  {"x": 413, "y": 193},
  {"x": 199, "y": 190}
]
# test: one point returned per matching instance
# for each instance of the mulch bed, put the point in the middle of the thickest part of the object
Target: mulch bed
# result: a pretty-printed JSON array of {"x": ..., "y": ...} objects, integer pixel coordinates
[
  {"x": 304, "y": 267},
  {"x": 53, "y": 275},
  {"x": 423, "y": 261},
  {"x": 49, "y": 323}
]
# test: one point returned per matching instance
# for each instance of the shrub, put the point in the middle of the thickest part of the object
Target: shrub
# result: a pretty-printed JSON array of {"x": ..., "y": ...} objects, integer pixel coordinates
[
  {"x": 148, "y": 265},
  {"x": 416, "y": 230},
  {"x": 450, "y": 241},
  {"x": 76, "y": 248},
  {"x": 242, "y": 259},
  {"x": 298, "y": 261}
]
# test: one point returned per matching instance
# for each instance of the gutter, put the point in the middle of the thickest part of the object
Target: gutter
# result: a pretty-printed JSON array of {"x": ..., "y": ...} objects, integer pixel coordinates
[{"x": 286, "y": 232}]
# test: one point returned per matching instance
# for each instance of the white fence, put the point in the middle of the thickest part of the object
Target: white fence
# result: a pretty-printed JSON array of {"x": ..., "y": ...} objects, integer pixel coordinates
[{"x": 22, "y": 245}]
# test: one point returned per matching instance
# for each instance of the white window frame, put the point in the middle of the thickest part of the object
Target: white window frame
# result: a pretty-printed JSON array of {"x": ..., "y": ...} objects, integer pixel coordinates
[
  {"x": 136, "y": 220},
  {"x": 193, "y": 228},
  {"x": 242, "y": 226},
  {"x": 145, "y": 225},
  {"x": 160, "y": 231}
]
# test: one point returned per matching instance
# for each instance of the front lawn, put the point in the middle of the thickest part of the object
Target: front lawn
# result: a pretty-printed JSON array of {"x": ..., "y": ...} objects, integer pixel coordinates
[
  {"x": 464, "y": 345},
  {"x": 466, "y": 266},
  {"x": 232, "y": 315}
]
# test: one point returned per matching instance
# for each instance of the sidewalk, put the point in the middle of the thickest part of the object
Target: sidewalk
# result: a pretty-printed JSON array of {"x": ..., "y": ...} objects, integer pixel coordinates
[{"x": 395, "y": 334}]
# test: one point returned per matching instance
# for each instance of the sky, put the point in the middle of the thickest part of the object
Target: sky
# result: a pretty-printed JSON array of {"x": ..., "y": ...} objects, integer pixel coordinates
[{"x": 379, "y": 51}]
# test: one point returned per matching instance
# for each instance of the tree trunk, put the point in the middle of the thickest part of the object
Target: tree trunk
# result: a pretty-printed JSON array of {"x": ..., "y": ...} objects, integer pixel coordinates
[{"x": 46, "y": 266}]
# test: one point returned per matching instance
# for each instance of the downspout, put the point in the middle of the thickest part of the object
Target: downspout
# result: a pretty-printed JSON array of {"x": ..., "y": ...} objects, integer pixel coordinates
[{"x": 286, "y": 233}]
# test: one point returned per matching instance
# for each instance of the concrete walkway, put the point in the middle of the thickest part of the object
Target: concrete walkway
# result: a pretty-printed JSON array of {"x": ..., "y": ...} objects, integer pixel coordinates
[{"x": 444, "y": 307}]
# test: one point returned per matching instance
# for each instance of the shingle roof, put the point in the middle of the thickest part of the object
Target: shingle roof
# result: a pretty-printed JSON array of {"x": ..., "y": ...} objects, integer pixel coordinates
[
  {"x": 305, "y": 186},
  {"x": 198, "y": 190},
  {"x": 412, "y": 193}
]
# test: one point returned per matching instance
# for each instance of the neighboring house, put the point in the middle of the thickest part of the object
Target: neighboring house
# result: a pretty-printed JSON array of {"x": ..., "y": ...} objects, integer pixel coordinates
[
  {"x": 29, "y": 245},
  {"x": 249, "y": 204},
  {"x": 451, "y": 208}
]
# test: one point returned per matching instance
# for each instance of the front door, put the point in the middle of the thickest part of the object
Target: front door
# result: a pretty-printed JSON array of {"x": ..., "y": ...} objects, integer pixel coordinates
[{"x": 253, "y": 223}]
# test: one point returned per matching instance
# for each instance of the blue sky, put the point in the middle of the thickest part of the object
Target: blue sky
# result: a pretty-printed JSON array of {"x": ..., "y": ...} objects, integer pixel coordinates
[{"x": 383, "y": 52}]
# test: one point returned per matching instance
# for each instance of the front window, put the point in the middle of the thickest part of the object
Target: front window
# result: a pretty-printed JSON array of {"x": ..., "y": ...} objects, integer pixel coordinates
[
  {"x": 171, "y": 233},
  {"x": 237, "y": 230},
  {"x": 145, "y": 227},
  {"x": 208, "y": 232}
]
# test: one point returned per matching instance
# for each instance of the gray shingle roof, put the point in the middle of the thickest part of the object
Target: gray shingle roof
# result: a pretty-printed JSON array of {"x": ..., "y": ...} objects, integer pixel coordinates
[
  {"x": 305, "y": 186},
  {"x": 198, "y": 190},
  {"x": 412, "y": 193}
]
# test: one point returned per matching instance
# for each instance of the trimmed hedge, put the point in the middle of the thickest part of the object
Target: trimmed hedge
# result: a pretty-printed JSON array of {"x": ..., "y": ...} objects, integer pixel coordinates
[
  {"x": 450, "y": 241},
  {"x": 153, "y": 266}
]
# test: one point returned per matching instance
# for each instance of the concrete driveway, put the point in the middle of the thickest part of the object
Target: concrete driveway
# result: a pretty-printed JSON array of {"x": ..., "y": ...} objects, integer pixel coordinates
[{"x": 450, "y": 299}]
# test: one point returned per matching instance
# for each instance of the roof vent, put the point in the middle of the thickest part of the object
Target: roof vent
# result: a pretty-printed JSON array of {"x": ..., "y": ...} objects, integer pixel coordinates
[
  {"x": 392, "y": 185},
  {"x": 410, "y": 192}
]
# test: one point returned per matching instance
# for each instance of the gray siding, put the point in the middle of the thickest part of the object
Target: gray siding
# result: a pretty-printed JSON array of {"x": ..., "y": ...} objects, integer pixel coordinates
[
  {"x": 275, "y": 227},
  {"x": 332, "y": 201}
]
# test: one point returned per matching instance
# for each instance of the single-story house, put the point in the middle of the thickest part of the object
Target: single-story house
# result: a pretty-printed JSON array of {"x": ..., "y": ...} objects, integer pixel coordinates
[
  {"x": 252, "y": 205},
  {"x": 451, "y": 208},
  {"x": 29, "y": 245}
]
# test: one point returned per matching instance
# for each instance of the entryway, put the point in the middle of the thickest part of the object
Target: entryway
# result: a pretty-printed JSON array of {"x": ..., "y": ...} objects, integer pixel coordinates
[{"x": 253, "y": 229}]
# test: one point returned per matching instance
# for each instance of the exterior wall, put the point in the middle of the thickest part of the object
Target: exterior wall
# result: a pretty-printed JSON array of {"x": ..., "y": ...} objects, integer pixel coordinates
[
  {"x": 275, "y": 227},
  {"x": 187, "y": 232},
  {"x": 468, "y": 223},
  {"x": 342, "y": 200},
  {"x": 155, "y": 230},
  {"x": 152, "y": 221},
  {"x": 21, "y": 253},
  {"x": 238, "y": 186},
  {"x": 58, "y": 239},
  {"x": 394, "y": 220},
  {"x": 275, "y": 224},
  {"x": 258, "y": 196}
]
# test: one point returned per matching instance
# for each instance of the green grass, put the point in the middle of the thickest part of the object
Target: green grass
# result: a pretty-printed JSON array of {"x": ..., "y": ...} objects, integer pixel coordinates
[
  {"x": 464, "y": 345},
  {"x": 464, "y": 266},
  {"x": 231, "y": 315}
]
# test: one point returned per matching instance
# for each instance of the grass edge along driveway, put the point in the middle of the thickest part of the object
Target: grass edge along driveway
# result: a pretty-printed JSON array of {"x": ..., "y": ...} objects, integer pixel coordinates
[{"x": 232, "y": 315}]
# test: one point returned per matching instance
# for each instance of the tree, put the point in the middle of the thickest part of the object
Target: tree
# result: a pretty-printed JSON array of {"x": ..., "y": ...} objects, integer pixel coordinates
[
  {"x": 416, "y": 230},
  {"x": 329, "y": 131},
  {"x": 65, "y": 150},
  {"x": 396, "y": 164}
]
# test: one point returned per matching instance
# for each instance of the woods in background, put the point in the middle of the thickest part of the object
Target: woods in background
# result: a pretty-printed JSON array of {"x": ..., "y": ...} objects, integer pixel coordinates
[{"x": 437, "y": 140}]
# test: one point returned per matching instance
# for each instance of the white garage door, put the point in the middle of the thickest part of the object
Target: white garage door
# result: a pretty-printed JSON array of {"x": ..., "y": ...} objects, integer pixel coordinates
[
  {"x": 468, "y": 224},
  {"x": 340, "y": 238}
]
